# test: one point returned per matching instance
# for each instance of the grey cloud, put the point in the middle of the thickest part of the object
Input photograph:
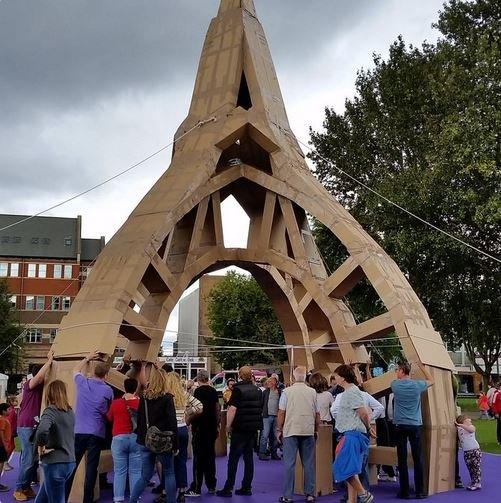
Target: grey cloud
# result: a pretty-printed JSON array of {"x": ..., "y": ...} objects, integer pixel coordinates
[
  {"x": 85, "y": 59},
  {"x": 70, "y": 53}
]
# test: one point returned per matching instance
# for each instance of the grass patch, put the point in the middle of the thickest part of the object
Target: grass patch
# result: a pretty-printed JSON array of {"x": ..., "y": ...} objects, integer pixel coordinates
[
  {"x": 468, "y": 404},
  {"x": 486, "y": 436}
]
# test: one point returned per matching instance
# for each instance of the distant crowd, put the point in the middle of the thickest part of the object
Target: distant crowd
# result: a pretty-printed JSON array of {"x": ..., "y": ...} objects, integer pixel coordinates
[{"x": 151, "y": 424}]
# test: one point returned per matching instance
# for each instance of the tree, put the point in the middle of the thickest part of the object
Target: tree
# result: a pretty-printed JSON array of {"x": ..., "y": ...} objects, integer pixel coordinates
[
  {"x": 238, "y": 310},
  {"x": 424, "y": 131},
  {"x": 10, "y": 329}
]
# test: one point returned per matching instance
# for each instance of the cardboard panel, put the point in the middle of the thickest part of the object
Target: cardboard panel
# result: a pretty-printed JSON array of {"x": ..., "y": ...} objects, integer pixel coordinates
[
  {"x": 222, "y": 439},
  {"x": 380, "y": 385},
  {"x": 429, "y": 346}
]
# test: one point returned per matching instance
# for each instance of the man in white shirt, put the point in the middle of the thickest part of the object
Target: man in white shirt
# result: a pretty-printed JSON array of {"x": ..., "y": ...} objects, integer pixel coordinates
[
  {"x": 297, "y": 425},
  {"x": 386, "y": 435}
]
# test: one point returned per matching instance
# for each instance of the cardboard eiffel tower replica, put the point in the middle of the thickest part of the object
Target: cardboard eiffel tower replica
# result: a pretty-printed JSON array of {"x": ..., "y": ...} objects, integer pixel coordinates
[{"x": 237, "y": 141}]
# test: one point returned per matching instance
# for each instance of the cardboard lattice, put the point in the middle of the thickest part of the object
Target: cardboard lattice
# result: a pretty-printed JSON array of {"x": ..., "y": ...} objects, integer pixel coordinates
[{"x": 246, "y": 148}]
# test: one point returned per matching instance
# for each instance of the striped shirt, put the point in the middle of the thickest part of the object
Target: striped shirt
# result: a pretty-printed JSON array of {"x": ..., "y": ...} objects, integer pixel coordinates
[{"x": 193, "y": 406}]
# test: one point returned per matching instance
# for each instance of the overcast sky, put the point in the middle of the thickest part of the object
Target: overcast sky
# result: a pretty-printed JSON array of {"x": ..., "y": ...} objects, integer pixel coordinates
[{"x": 89, "y": 87}]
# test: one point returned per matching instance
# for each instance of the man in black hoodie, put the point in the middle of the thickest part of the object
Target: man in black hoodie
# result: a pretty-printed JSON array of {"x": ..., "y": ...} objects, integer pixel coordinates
[{"x": 244, "y": 419}]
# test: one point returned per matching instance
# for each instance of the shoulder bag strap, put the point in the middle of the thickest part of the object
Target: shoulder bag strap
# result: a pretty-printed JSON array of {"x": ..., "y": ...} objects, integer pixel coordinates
[{"x": 146, "y": 410}]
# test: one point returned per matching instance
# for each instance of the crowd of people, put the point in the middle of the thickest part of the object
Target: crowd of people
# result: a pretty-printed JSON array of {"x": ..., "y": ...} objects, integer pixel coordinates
[{"x": 151, "y": 424}]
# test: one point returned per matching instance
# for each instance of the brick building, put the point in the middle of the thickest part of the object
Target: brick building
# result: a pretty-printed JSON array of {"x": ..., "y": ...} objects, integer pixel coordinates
[{"x": 45, "y": 261}]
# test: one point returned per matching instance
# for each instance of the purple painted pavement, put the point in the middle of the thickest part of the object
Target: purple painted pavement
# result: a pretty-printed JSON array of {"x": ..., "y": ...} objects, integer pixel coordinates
[{"x": 268, "y": 481}]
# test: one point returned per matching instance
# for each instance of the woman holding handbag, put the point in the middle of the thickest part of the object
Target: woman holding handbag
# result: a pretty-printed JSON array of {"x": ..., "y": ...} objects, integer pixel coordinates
[
  {"x": 55, "y": 439},
  {"x": 187, "y": 407},
  {"x": 156, "y": 433}
]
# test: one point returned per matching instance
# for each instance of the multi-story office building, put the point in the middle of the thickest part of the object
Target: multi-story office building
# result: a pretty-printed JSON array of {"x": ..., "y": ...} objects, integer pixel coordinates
[
  {"x": 192, "y": 325},
  {"x": 45, "y": 261}
]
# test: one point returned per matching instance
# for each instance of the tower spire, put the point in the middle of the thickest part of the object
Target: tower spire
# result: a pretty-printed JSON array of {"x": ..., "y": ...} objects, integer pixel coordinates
[{"x": 237, "y": 4}]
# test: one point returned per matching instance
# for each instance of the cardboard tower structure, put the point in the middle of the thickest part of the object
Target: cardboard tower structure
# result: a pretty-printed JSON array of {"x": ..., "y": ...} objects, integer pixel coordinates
[{"x": 237, "y": 141}]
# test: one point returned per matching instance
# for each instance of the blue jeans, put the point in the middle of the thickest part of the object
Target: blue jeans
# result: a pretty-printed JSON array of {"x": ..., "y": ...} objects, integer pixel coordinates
[
  {"x": 268, "y": 435},
  {"x": 306, "y": 448},
  {"x": 53, "y": 487},
  {"x": 365, "y": 475},
  {"x": 181, "y": 459},
  {"x": 148, "y": 465},
  {"x": 28, "y": 463},
  {"x": 126, "y": 461}
]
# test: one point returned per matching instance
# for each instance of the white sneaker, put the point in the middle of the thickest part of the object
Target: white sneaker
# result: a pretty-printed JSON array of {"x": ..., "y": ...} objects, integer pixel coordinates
[{"x": 474, "y": 487}]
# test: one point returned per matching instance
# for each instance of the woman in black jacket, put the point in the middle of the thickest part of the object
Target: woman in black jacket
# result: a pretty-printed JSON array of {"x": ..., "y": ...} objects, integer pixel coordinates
[
  {"x": 162, "y": 414},
  {"x": 55, "y": 438}
]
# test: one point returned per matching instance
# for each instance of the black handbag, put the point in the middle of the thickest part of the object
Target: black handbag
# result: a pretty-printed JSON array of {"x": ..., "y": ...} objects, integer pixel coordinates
[{"x": 157, "y": 441}]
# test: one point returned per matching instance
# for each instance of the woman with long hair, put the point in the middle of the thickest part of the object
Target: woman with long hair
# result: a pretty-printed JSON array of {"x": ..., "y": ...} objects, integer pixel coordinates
[
  {"x": 187, "y": 407},
  {"x": 55, "y": 440},
  {"x": 157, "y": 414},
  {"x": 324, "y": 397}
]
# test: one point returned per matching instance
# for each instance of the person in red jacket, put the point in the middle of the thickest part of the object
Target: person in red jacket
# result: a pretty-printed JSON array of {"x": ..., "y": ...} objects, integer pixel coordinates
[
  {"x": 12, "y": 418},
  {"x": 124, "y": 447},
  {"x": 496, "y": 410},
  {"x": 483, "y": 405}
]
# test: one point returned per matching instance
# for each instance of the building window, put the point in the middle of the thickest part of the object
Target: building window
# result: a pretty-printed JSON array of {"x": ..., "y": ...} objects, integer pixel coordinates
[
  {"x": 42, "y": 270},
  {"x": 14, "y": 270},
  {"x": 40, "y": 302},
  {"x": 3, "y": 269},
  {"x": 30, "y": 302},
  {"x": 53, "y": 335},
  {"x": 13, "y": 300},
  {"x": 68, "y": 269},
  {"x": 56, "y": 303},
  {"x": 33, "y": 335},
  {"x": 68, "y": 241},
  {"x": 58, "y": 271},
  {"x": 66, "y": 303},
  {"x": 32, "y": 270}
]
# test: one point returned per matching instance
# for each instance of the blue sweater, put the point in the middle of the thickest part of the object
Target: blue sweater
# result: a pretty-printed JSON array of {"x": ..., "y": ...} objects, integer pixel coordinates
[{"x": 352, "y": 449}]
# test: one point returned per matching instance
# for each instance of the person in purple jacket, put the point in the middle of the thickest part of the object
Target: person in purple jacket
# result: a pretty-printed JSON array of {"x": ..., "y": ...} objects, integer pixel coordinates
[
  {"x": 28, "y": 416},
  {"x": 93, "y": 399}
]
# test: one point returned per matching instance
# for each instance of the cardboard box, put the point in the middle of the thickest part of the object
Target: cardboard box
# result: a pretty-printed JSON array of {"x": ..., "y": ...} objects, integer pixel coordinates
[{"x": 222, "y": 439}]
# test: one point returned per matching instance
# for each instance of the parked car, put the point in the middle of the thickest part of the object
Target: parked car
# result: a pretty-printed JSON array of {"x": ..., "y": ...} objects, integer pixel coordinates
[{"x": 220, "y": 379}]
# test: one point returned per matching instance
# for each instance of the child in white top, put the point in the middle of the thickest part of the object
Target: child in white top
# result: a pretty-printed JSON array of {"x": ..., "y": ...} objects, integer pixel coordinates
[{"x": 471, "y": 449}]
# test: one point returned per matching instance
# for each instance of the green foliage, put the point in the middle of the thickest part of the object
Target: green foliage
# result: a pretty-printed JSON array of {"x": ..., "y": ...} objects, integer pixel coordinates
[
  {"x": 468, "y": 405},
  {"x": 237, "y": 308},
  {"x": 486, "y": 436},
  {"x": 424, "y": 131},
  {"x": 9, "y": 331}
]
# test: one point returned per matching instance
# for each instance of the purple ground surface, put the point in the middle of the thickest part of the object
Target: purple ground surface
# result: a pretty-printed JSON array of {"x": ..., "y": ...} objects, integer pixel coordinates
[{"x": 268, "y": 479}]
